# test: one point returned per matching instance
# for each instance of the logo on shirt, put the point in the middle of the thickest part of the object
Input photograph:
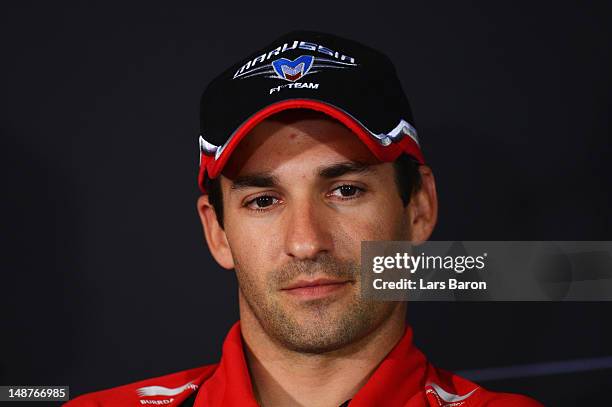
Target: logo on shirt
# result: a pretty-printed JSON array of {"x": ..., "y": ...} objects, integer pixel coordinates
[
  {"x": 156, "y": 402},
  {"x": 445, "y": 398},
  {"x": 164, "y": 391}
]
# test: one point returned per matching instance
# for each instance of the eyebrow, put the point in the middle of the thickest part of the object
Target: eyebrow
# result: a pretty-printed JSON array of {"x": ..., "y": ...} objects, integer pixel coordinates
[
  {"x": 259, "y": 180},
  {"x": 343, "y": 168},
  {"x": 267, "y": 180}
]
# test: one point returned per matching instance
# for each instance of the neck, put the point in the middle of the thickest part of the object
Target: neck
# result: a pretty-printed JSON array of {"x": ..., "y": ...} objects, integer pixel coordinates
[{"x": 283, "y": 377}]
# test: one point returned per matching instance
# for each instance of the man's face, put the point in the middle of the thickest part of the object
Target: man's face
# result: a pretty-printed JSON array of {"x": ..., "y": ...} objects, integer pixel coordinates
[{"x": 299, "y": 197}]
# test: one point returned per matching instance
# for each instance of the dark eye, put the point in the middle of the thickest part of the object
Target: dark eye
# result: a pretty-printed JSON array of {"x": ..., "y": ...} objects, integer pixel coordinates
[
  {"x": 262, "y": 202},
  {"x": 346, "y": 191}
]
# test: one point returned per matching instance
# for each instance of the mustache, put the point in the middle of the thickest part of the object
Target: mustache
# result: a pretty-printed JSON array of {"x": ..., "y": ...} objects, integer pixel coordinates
[{"x": 323, "y": 266}]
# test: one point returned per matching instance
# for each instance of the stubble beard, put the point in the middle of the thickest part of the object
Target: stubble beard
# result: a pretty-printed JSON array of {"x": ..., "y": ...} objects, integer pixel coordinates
[{"x": 315, "y": 326}]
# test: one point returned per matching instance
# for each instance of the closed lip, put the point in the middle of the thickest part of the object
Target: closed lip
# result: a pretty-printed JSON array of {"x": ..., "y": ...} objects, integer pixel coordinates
[{"x": 315, "y": 282}]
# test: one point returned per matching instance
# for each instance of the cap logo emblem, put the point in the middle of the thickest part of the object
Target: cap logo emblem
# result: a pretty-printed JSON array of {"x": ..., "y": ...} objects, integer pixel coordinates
[
  {"x": 325, "y": 57},
  {"x": 293, "y": 70}
]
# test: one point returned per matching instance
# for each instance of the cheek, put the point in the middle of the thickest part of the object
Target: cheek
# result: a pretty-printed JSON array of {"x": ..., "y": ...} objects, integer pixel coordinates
[
  {"x": 252, "y": 246},
  {"x": 381, "y": 219}
]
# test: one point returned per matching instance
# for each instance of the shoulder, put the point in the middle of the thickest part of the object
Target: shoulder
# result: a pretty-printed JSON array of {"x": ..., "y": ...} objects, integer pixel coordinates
[
  {"x": 168, "y": 390},
  {"x": 447, "y": 388}
]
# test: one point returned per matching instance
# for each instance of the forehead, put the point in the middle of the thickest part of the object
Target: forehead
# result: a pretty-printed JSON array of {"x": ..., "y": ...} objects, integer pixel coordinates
[{"x": 303, "y": 137}]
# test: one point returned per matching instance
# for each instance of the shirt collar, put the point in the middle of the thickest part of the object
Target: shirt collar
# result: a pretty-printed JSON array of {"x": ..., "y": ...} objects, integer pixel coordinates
[{"x": 403, "y": 370}]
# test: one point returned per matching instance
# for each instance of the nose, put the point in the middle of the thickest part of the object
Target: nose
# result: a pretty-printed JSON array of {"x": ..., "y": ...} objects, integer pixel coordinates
[{"x": 307, "y": 230}]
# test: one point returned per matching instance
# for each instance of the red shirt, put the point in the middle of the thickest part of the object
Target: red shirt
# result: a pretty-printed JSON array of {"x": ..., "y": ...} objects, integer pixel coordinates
[{"x": 404, "y": 378}]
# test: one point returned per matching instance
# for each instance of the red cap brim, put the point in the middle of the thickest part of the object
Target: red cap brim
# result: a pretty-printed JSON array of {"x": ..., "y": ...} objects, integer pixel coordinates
[{"x": 211, "y": 167}]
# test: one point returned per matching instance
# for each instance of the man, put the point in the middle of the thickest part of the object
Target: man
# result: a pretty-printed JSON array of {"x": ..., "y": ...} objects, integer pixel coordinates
[{"x": 308, "y": 149}]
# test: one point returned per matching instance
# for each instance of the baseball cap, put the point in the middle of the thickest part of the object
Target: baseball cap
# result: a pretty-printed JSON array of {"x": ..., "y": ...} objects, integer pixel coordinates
[{"x": 348, "y": 81}]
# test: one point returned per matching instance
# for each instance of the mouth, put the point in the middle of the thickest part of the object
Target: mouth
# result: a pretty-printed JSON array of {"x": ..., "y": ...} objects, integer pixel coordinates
[{"x": 313, "y": 289}]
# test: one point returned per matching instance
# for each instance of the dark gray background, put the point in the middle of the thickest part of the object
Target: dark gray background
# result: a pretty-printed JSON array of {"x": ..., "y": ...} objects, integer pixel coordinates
[{"x": 105, "y": 275}]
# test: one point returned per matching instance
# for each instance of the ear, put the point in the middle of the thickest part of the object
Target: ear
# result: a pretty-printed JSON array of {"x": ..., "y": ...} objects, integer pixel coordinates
[
  {"x": 423, "y": 207},
  {"x": 214, "y": 234}
]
